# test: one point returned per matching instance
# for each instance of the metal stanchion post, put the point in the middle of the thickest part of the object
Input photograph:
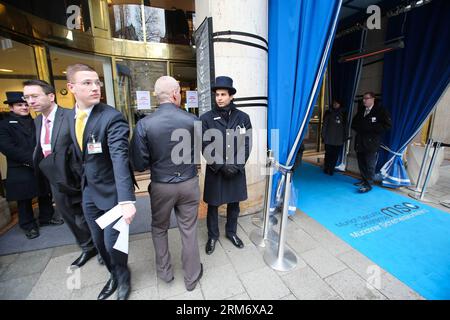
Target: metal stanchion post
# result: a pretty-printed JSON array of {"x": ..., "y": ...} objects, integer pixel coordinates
[
  {"x": 258, "y": 236},
  {"x": 282, "y": 258},
  {"x": 258, "y": 220},
  {"x": 437, "y": 146},
  {"x": 418, "y": 187}
]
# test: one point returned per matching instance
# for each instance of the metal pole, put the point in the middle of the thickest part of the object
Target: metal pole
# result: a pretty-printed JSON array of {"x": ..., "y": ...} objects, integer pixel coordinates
[
  {"x": 422, "y": 167},
  {"x": 256, "y": 236},
  {"x": 437, "y": 146},
  {"x": 282, "y": 259},
  {"x": 259, "y": 219}
]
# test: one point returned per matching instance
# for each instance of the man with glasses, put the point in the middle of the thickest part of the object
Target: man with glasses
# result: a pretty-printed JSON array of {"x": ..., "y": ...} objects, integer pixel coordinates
[
  {"x": 100, "y": 134},
  {"x": 17, "y": 142},
  {"x": 370, "y": 122},
  {"x": 52, "y": 157}
]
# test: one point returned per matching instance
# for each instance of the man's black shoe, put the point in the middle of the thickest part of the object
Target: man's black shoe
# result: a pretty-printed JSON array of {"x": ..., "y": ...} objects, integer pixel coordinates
[
  {"x": 359, "y": 183},
  {"x": 210, "y": 246},
  {"x": 194, "y": 284},
  {"x": 108, "y": 289},
  {"x": 236, "y": 241},
  {"x": 100, "y": 259},
  {"x": 52, "y": 222},
  {"x": 32, "y": 233},
  {"x": 123, "y": 292},
  {"x": 365, "y": 188},
  {"x": 84, "y": 257}
]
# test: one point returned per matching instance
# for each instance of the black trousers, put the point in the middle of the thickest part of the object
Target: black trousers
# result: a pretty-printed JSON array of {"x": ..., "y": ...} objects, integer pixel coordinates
[
  {"x": 26, "y": 216},
  {"x": 74, "y": 218},
  {"x": 212, "y": 220},
  {"x": 367, "y": 162},
  {"x": 331, "y": 156},
  {"x": 104, "y": 240}
]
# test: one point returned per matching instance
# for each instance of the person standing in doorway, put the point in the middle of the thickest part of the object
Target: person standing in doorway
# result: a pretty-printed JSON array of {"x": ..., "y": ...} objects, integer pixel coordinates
[
  {"x": 174, "y": 182},
  {"x": 334, "y": 134},
  {"x": 100, "y": 134},
  {"x": 225, "y": 181},
  {"x": 370, "y": 122}
]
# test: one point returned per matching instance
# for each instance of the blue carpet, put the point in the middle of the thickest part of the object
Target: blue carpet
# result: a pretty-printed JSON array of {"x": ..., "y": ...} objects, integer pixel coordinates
[
  {"x": 407, "y": 238},
  {"x": 14, "y": 241}
]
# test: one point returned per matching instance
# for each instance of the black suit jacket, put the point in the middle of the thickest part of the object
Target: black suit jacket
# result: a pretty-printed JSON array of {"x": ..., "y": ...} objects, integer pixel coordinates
[
  {"x": 108, "y": 174},
  {"x": 60, "y": 166},
  {"x": 369, "y": 129}
]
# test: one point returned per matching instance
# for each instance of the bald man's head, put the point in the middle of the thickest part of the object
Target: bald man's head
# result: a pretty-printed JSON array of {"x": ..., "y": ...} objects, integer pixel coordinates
[{"x": 167, "y": 90}]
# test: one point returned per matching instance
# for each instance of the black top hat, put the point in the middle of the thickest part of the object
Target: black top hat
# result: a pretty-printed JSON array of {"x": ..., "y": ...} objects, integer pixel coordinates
[
  {"x": 13, "y": 97},
  {"x": 224, "y": 83}
]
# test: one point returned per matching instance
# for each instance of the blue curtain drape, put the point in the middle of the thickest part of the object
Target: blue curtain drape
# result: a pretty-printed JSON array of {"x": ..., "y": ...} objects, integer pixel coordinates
[
  {"x": 344, "y": 77},
  {"x": 414, "y": 79},
  {"x": 300, "y": 38}
]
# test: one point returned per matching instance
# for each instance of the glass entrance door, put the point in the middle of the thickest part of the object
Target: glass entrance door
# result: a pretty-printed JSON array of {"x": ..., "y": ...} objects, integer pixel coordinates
[{"x": 60, "y": 59}]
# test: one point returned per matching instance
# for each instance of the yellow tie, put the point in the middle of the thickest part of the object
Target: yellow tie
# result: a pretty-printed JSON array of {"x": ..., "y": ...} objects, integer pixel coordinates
[{"x": 79, "y": 127}]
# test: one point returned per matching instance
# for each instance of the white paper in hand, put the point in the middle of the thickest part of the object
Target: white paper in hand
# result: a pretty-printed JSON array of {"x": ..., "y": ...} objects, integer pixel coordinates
[
  {"x": 109, "y": 217},
  {"x": 124, "y": 229},
  {"x": 122, "y": 240}
]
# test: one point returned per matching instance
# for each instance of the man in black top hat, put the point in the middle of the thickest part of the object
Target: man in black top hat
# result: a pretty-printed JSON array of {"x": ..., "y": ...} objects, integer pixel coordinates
[
  {"x": 225, "y": 181},
  {"x": 17, "y": 142}
]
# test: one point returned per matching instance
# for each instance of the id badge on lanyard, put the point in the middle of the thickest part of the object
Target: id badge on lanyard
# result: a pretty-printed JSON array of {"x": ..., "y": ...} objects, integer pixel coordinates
[{"x": 94, "y": 147}]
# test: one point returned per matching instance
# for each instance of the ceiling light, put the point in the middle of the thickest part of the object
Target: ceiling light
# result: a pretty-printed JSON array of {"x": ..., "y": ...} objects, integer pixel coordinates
[{"x": 6, "y": 70}]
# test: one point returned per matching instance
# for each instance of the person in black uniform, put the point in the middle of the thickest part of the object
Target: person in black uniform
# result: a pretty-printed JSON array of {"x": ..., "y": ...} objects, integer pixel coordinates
[
  {"x": 17, "y": 142},
  {"x": 225, "y": 181},
  {"x": 334, "y": 134},
  {"x": 370, "y": 122}
]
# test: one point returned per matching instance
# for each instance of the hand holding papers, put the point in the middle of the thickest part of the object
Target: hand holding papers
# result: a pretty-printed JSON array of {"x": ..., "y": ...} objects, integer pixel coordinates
[{"x": 122, "y": 225}]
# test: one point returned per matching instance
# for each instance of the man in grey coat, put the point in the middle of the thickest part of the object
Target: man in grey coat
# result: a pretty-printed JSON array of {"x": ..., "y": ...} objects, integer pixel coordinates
[{"x": 174, "y": 181}]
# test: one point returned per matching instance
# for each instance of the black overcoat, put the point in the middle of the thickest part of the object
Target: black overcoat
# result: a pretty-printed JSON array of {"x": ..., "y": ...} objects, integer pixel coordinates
[
  {"x": 236, "y": 138},
  {"x": 17, "y": 142}
]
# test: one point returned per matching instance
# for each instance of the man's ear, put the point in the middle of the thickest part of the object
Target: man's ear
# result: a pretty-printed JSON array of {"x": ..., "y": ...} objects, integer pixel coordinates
[{"x": 70, "y": 87}]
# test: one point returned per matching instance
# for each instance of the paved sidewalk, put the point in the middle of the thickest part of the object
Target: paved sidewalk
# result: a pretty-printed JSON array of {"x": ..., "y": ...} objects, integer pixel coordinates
[{"x": 327, "y": 268}]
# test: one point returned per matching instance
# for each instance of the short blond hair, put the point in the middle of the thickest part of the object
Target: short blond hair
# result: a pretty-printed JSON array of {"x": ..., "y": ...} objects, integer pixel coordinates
[{"x": 77, "y": 67}]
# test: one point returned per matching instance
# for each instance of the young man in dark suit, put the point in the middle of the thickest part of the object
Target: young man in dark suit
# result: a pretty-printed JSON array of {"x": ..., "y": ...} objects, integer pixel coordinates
[
  {"x": 100, "y": 134},
  {"x": 53, "y": 140},
  {"x": 17, "y": 142}
]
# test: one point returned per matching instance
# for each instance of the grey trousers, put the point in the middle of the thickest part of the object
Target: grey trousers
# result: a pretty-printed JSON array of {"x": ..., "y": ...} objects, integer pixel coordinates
[{"x": 184, "y": 198}]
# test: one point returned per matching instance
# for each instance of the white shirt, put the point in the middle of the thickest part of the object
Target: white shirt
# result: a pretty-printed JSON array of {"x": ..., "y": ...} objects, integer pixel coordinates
[
  {"x": 87, "y": 111},
  {"x": 367, "y": 111},
  {"x": 50, "y": 117}
]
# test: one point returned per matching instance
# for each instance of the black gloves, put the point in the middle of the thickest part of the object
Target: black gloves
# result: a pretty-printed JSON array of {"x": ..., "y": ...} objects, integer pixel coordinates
[{"x": 229, "y": 170}]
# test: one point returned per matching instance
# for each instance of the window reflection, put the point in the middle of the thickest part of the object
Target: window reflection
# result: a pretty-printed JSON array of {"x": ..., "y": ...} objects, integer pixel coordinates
[
  {"x": 163, "y": 22},
  {"x": 126, "y": 22}
]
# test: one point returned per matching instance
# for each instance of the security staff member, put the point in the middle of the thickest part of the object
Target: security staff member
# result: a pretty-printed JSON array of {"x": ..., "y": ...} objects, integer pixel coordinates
[
  {"x": 17, "y": 142},
  {"x": 100, "y": 134},
  {"x": 225, "y": 181},
  {"x": 370, "y": 122}
]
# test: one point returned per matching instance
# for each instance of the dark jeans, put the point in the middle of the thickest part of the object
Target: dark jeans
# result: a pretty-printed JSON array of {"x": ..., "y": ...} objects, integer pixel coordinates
[
  {"x": 26, "y": 216},
  {"x": 104, "y": 240},
  {"x": 366, "y": 163},
  {"x": 331, "y": 157},
  {"x": 213, "y": 223}
]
